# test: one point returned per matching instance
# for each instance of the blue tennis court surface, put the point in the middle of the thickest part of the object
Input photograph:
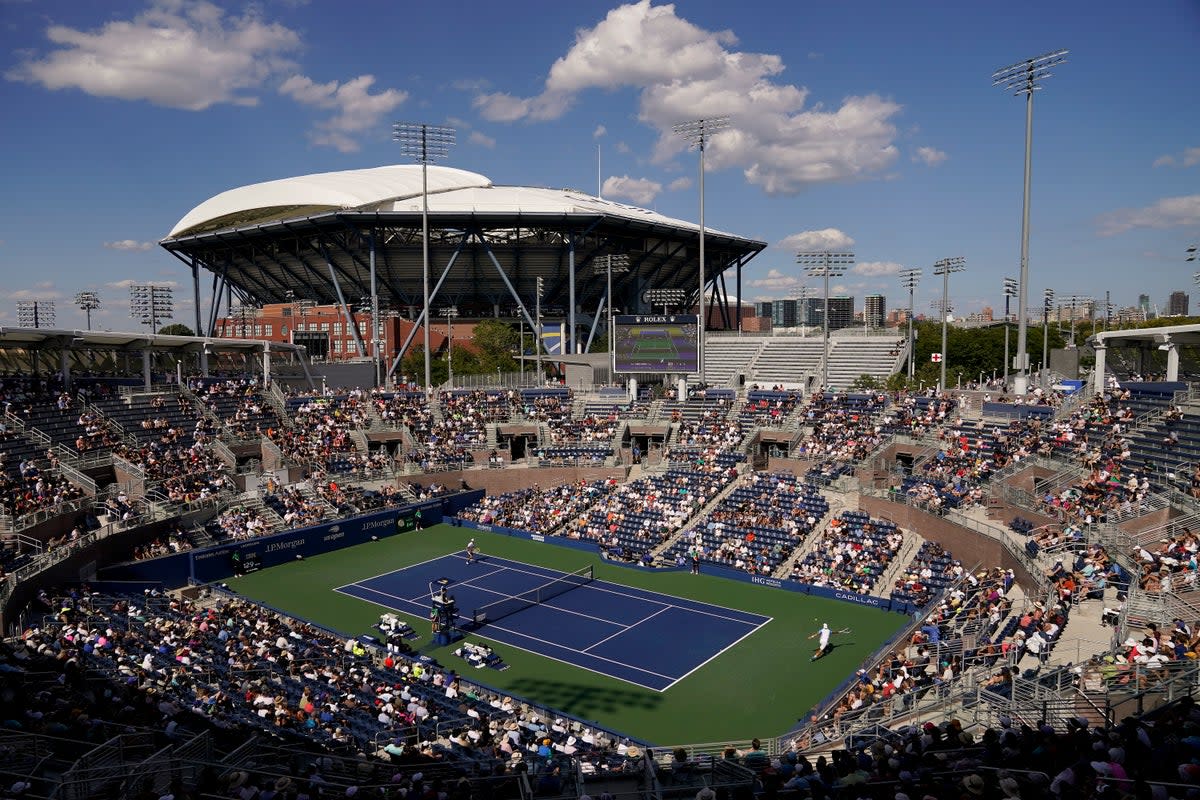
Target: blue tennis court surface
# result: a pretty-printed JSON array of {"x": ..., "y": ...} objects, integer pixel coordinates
[{"x": 642, "y": 637}]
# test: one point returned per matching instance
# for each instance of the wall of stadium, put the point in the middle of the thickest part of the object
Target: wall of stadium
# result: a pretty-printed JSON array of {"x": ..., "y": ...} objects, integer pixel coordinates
[
  {"x": 500, "y": 481},
  {"x": 219, "y": 562}
]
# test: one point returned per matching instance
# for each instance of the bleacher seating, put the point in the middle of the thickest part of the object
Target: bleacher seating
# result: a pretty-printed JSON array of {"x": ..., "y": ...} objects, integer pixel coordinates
[
  {"x": 756, "y": 527},
  {"x": 790, "y": 361}
]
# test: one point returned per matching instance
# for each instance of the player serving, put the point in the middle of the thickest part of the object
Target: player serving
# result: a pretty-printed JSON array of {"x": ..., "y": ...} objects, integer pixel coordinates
[
  {"x": 471, "y": 551},
  {"x": 823, "y": 645}
]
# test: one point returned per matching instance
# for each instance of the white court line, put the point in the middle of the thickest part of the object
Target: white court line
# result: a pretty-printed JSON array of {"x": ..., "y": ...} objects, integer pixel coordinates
[
  {"x": 467, "y": 582},
  {"x": 595, "y": 585},
  {"x": 574, "y": 664},
  {"x": 342, "y": 590},
  {"x": 627, "y": 628},
  {"x": 573, "y": 650},
  {"x": 397, "y": 569},
  {"x": 719, "y": 653}
]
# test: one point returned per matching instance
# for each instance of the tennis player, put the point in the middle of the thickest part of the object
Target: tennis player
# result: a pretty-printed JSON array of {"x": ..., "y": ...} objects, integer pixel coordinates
[
  {"x": 823, "y": 644},
  {"x": 471, "y": 551}
]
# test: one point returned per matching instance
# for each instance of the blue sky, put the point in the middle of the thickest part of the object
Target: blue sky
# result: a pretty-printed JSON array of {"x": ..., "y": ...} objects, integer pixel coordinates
[{"x": 870, "y": 126}]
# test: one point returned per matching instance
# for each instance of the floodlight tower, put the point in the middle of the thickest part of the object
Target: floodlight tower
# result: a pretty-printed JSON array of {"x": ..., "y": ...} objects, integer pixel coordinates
[
  {"x": 620, "y": 265},
  {"x": 151, "y": 302},
  {"x": 825, "y": 265},
  {"x": 35, "y": 313},
  {"x": 944, "y": 267},
  {"x": 537, "y": 334},
  {"x": 698, "y": 132},
  {"x": 1047, "y": 304},
  {"x": 424, "y": 143},
  {"x": 1010, "y": 291},
  {"x": 87, "y": 302},
  {"x": 1023, "y": 78},
  {"x": 909, "y": 278},
  {"x": 450, "y": 312},
  {"x": 1192, "y": 256}
]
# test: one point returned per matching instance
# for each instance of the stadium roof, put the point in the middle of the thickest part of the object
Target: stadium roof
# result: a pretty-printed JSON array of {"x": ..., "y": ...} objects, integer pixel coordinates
[
  {"x": 395, "y": 188},
  {"x": 321, "y": 237}
]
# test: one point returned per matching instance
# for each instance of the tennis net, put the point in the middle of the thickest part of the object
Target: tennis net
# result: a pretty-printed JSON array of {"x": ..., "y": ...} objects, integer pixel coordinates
[{"x": 511, "y": 605}]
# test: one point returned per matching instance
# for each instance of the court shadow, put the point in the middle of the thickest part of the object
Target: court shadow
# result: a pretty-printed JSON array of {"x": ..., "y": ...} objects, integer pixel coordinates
[{"x": 583, "y": 700}]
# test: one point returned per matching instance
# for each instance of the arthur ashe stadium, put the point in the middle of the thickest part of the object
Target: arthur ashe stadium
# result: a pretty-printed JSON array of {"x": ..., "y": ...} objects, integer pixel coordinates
[{"x": 231, "y": 571}]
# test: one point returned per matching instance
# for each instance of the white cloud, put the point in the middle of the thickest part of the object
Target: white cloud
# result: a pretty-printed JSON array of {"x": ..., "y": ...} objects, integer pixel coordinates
[
  {"x": 1169, "y": 212},
  {"x": 470, "y": 84},
  {"x": 481, "y": 139},
  {"x": 817, "y": 241},
  {"x": 929, "y": 156},
  {"x": 127, "y": 282},
  {"x": 623, "y": 148},
  {"x": 186, "y": 54},
  {"x": 43, "y": 290},
  {"x": 779, "y": 142},
  {"x": 355, "y": 108},
  {"x": 679, "y": 184},
  {"x": 1190, "y": 157},
  {"x": 600, "y": 131},
  {"x": 875, "y": 269},
  {"x": 129, "y": 244},
  {"x": 639, "y": 190},
  {"x": 775, "y": 280}
]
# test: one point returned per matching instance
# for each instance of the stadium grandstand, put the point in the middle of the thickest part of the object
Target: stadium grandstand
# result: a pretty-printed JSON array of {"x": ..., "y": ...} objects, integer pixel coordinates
[{"x": 220, "y": 579}]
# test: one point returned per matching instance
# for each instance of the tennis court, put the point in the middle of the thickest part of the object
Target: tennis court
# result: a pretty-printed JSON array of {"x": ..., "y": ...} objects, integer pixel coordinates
[{"x": 639, "y": 636}]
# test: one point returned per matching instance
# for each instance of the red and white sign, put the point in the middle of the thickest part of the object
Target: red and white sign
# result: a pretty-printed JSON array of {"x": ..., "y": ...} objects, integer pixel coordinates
[{"x": 935, "y": 357}]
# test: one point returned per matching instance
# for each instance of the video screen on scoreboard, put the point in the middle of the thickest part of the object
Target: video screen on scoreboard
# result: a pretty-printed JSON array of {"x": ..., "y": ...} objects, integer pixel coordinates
[{"x": 656, "y": 343}]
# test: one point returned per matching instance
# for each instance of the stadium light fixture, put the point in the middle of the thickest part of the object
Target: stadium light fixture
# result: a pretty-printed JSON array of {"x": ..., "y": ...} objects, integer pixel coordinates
[
  {"x": 424, "y": 143},
  {"x": 619, "y": 264},
  {"x": 1047, "y": 304},
  {"x": 87, "y": 302},
  {"x": 449, "y": 312},
  {"x": 825, "y": 265},
  {"x": 1024, "y": 78},
  {"x": 909, "y": 278},
  {"x": 802, "y": 295},
  {"x": 698, "y": 132},
  {"x": 944, "y": 267},
  {"x": 1192, "y": 256},
  {"x": 35, "y": 313},
  {"x": 1010, "y": 291},
  {"x": 665, "y": 298},
  {"x": 150, "y": 303}
]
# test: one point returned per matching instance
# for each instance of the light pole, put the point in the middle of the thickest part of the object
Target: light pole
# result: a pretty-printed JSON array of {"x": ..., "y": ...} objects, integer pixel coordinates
[
  {"x": 802, "y": 296},
  {"x": 909, "y": 278},
  {"x": 87, "y": 302},
  {"x": 537, "y": 334},
  {"x": 424, "y": 143},
  {"x": 1010, "y": 291},
  {"x": 944, "y": 267},
  {"x": 943, "y": 307},
  {"x": 1047, "y": 304},
  {"x": 698, "y": 132},
  {"x": 1023, "y": 78},
  {"x": 450, "y": 312},
  {"x": 619, "y": 264},
  {"x": 1192, "y": 256},
  {"x": 824, "y": 265}
]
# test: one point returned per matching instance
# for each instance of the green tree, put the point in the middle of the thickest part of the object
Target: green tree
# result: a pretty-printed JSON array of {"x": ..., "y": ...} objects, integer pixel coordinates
[
  {"x": 176, "y": 329},
  {"x": 494, "y": 343}
]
